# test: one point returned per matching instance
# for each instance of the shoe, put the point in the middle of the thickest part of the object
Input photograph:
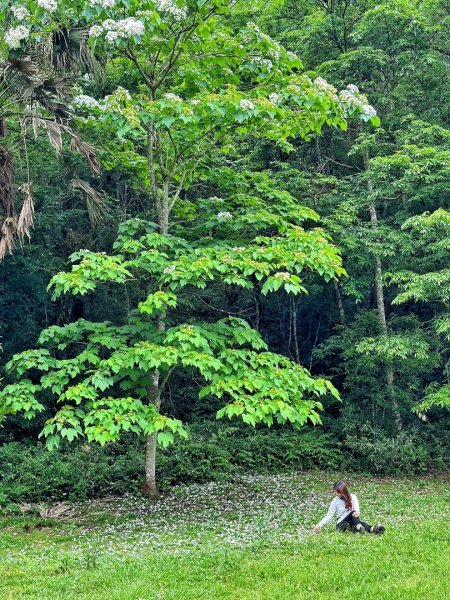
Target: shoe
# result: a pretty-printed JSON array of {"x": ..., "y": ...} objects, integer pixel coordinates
[
  {"x": 362, "y": 529},
  {"x": 378, "y": 529}
]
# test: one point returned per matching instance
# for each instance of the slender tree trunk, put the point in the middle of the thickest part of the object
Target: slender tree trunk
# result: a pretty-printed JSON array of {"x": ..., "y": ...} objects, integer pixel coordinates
[
  {"x": 379, "y": 294},
  {"x": 150, "y": 486},
  {"x": 294, "y": 330},
  {"x": 340, "y": 304},
  {"x": 160, "y": 197}
]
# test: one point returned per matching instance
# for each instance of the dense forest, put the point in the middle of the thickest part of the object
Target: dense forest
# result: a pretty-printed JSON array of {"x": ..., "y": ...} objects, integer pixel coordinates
[{"x": 224, "y": 241}]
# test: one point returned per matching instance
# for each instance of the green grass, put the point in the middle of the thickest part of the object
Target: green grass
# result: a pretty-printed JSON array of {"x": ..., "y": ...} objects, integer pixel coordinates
[{"x": 246, "y": 540}]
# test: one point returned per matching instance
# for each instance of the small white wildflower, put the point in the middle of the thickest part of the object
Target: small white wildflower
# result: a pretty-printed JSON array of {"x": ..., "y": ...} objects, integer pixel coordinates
[
  {"x": 238, "y": 249},
  {"x": 14, "y": 36},
  {"x": 246, "y": 104},
  {"x": 170, "y": 269},
  {"x": 274, "y": 98},
  {"x": 20, "y": 12},
  {"x": 50, "y": 5},
  {"x": 224, "y": 216},
  {"x": 353, "y": 88},
  {"x": 195, "y": 101}
]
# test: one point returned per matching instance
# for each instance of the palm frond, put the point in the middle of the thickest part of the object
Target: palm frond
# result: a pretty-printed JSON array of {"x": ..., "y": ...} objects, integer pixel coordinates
[
  {"x": 25, "y": 220},
  {"x": 87, "y": 150},
  {"x": 95, "y": 201}
]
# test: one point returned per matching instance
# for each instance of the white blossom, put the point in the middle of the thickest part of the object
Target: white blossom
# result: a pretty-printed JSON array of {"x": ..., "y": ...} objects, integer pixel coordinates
[
  {"x": 50, "y": 5},
  {"x": 130, "y": 27},
  {"x": 353, "y": 88},
  {"x": 369, "y": 110},
  {"x": 324, "y": 85},
  {"x": 273, "y": 53},
  {"x": 224, "y": 216},
  {"x": 84, "y": 101},
  {"x": 246, "y": 104},
  {"x": 104, "y": 3},
  {"x": 170, "y": 269},
  {"x": 347, "y": 97},
  {"x": 195, "y": 101},
  {"x": 171, "y": 8},
  {"x": 20, "y": 12},
  {"x": 95, "y": 31},
  {"x": 173, "y": 97},
  {"x": 109, "y": 24},
  {"x": 111, "y": 36},
  {"x": 274, "y": 98},
  {"x": 253, "y": 26},
  {"x": 264, "y": 63},
  {"x": 238, "y": 249},
  {"x": 14, "y": 36},
  {"x": 284, "y": 275}
]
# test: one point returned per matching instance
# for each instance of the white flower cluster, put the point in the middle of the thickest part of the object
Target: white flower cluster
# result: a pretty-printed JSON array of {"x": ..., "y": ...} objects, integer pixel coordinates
[
  {"x": 324, "y": 85},
  {"x": 84, "y": 101},
  {"x": 50, "y": 5},
  {"x": 294, "y": 89},
  {"x": 246, "y": 104},
  {"x": 238, "y": 249},
  {"x": 103, "y": 3},
  {"x": 118, "y": 29},
  {"x": 195, "y": 101},
  {"x": 14, "y": 36},
  {"x": 173, "y": 97},
  {"x": 20, "y": 12},
  {"x": 369, "y": 110},
  {"x": 171, "y": 8},
  {"x": 264, "y": 63},
  {"x": 253, "y": 26},
  {"x": 348, "y": 96},
  {"x": 274, "y": 98},
  {"x": 170, "y": 269},
  {"x": 274, "y": 53},
  {"x": 225, "y": 216},
  {"x": 284, "y": 275}
]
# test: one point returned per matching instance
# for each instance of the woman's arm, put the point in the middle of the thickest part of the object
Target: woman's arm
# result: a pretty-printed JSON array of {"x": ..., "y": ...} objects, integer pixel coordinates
[
  {"x": 355, "y": 504},
  {"x": 327, "y": 518}
]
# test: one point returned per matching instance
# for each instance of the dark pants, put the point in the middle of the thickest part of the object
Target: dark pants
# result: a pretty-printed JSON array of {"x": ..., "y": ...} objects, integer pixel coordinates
[{"x": 350, "y": 522}]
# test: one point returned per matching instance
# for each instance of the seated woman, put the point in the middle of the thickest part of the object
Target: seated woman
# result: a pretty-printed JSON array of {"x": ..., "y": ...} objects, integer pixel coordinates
[{"x": 346, "y": 508}]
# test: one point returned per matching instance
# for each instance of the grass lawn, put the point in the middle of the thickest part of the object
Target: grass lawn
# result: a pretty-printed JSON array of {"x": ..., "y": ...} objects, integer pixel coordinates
[{"x": 245, "y": 540}]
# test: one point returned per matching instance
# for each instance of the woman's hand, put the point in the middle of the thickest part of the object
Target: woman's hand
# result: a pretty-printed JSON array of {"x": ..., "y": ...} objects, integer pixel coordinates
[
  {"x": 316, "y": 529},
  {"x": 356, "y": 513}
]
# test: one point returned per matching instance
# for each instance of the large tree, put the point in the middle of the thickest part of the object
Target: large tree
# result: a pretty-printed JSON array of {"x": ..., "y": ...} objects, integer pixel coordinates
[{"x": 194, "y": 86}]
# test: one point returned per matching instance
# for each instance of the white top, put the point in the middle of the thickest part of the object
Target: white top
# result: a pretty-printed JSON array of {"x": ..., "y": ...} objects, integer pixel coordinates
[{"x": 337, "y": 507}]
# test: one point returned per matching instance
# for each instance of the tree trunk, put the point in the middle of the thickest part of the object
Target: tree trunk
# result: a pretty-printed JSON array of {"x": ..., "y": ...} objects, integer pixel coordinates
[
  {"x": 339, "y": 303},
  {"x": 150, "y": 486},
  {"x": 379, "y": 294}
]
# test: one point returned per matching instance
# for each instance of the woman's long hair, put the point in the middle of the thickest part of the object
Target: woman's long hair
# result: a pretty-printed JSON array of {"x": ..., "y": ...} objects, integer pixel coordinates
[{"x": 341, "y": 488}]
